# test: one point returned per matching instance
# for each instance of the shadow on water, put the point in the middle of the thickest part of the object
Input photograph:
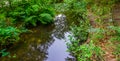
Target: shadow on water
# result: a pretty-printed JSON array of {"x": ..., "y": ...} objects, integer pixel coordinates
[{"x": 45, "y": 43}]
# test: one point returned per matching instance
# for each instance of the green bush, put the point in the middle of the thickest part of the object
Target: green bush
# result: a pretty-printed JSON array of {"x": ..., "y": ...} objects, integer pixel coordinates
[
  {"x": 80, "y": 31},
  {"x": 29, "y": 12},
  {"x": 9, "y": 35},
  {"x": 84, "y": 52},
  {"x": 45, "y": 18},
  {"x": 74, "y": 8}
]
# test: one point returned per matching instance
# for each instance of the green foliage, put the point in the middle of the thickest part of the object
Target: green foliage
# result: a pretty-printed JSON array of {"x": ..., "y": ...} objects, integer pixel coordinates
[
  {"x": 9, "y": 35},
  {"x": 73, "y": 8},
  {"x": 100, "y": 10},
  {"x": 77, "y": 11},
  {"x": 29, "y": 12},
  {"x": 4, "y": 22},
  {"x": 81, "y": 31},
  {"x": 21, "y": 12},
  {"x": 108, "y": 33},
  {"x": 45, "y": 18},
  {"x": 100, "y": 2},
  {"x": 25, "y": 12},
  {"x": 4, "y": 53},
  {"x": 97, "y": 34},
  {"x": 117, "y": 51},
  {"x": 85, "y": 52},
  {"x": 115, "y": 39},
  {"x": 116, "y": 34}
]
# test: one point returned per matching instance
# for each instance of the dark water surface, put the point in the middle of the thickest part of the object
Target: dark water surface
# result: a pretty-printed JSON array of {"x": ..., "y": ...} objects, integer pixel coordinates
[{"x": 44, "y": 43}]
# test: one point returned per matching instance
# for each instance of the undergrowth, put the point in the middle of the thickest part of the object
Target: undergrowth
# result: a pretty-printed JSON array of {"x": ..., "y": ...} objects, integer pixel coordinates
[
  {"x": 16, "y": 15},
  {"x": 85, "y": 41},
  {"x": 29, "y": 12}
]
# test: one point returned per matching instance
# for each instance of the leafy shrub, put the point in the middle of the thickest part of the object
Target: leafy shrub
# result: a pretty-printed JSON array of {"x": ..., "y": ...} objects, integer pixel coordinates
[
  {"x": 29, "y": 12},
  {"x": 84, "y": 52},
  {"x": 45, "y": 18},
  {"x": 81, "y": 31},
  {"x": 9, "y": 35}
]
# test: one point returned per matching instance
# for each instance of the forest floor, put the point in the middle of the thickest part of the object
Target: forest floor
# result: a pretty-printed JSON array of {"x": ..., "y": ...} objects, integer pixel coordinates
[{"x": 106, "y": 45}]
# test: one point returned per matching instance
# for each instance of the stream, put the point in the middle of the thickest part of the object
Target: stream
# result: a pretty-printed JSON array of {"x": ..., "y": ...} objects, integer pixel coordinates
[{"x": 44, "y": 43}]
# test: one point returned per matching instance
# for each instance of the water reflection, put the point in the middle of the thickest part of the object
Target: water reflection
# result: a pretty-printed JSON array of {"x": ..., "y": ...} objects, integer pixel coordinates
[
  {"x": 60, "y": 26},
  {"x": 35, "y": 45},
  {"x": 57, "y": 51},
  {"x": 45, "y": 43}
]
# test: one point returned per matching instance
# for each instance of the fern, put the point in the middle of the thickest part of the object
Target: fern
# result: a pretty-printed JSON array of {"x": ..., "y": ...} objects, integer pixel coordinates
[
  {"x": 35, "y": 8},
  {"x": 45, "y": 18},
  {"x": 9, "y": 35},
  {"x": 31, "y": 20}
]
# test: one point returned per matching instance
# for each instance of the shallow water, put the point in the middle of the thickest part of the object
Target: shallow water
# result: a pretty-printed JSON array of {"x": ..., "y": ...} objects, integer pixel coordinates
[
  {"x": 44, "y": 43},
  {"x": 57, "y": 51}
]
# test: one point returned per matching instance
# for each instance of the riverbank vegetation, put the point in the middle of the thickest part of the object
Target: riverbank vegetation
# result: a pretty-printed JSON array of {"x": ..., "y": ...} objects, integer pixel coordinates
[
  {"x": 91, "y": 39},
  {"x": 96, "y": 27},
  {"x": 17, "y": 15},
  {"x": 95, "y": 32}
]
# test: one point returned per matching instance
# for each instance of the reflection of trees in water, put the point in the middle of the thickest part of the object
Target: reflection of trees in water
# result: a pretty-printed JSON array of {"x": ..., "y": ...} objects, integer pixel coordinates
[
  {"x": 38, "y": 42},
  {"x": 60, "y": 26},
  {"x": 38, "y": 51},
  {"x": 35, "y": 46}
]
